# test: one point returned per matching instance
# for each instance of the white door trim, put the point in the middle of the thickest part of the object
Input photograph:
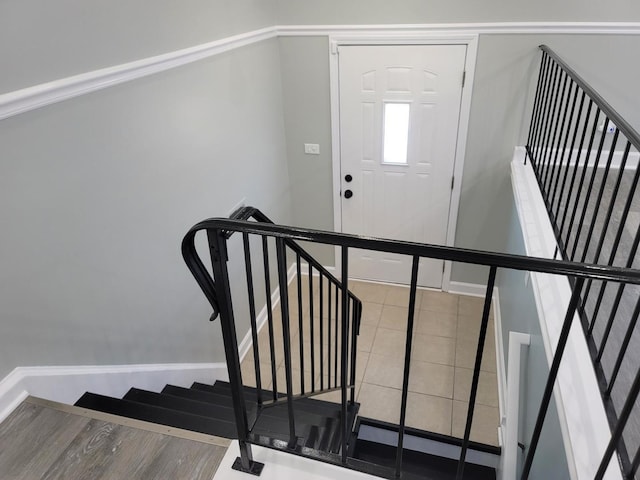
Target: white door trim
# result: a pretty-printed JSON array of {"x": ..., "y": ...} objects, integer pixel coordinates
[{"x": 404, "y": 38}]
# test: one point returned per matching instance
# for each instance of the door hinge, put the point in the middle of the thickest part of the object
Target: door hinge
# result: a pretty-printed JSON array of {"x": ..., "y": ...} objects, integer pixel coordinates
[
  {"x": 464, "y": 77},
  {"x": 453, "y": 179}
]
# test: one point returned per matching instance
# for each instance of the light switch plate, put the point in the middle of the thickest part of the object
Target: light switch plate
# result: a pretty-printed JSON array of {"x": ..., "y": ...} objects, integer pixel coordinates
[{"x": 312, "y": 149}]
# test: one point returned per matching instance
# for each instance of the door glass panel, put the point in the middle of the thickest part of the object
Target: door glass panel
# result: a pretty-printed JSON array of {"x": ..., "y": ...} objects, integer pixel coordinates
[{"x": 396, "y": 132}]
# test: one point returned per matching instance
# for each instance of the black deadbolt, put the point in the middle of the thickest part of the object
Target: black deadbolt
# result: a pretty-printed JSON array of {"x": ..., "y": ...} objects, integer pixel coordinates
[
  {"x": 348, "y": 178},
  {"x": 348, "y": 194}
]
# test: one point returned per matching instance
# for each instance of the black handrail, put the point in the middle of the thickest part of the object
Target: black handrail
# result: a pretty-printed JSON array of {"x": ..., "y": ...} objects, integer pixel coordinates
[
  {"x": 462, "y": 255},
  {"x": 203, "y": 278}
]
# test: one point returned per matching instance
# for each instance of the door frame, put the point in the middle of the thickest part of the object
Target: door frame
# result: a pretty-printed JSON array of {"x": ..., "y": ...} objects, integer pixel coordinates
[{"x": 400, "y": 38}]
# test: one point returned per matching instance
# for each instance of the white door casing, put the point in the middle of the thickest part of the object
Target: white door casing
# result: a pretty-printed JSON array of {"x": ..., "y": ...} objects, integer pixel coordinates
[{"x": 407, "y": 201}]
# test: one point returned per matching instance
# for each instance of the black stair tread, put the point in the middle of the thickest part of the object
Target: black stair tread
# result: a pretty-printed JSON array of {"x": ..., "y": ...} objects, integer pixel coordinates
[
  {"x": 181, "y": 404},
  {"x": 310, "y": 405},
  {"x": 439, "y": 437},
  {"x": 198, "y": 395},
  {"x": 422, "y": 465},
  {"x": 222, "y": 387},
  {"x": 202, "y": 406},
  {"x": 160, "y": 415}
]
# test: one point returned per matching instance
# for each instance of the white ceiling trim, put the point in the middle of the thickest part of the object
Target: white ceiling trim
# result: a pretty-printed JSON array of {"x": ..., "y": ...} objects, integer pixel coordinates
[
  {"x": 31, "y": 98},
  {"x": 591, "y": 28}
]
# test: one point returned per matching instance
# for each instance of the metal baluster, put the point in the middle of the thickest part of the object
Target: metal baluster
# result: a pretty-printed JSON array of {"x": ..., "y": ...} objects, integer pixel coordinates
[
  {"x": 622, "y": 422},
  {"x": 355, "y": 331},
  {"x": 407, "y": 364},
  {"x": 616, "y": 302},
  {"x": 575, "y": 171},
  {"x": 605, "y": 227},
  {"x": 476, "y": 371},
  {"x": 582, "y": 179},
  {"x": 564, "y": 148},
  {"x": 549, "y": 127},
  {"x": 535, "y": 115},
  {"x": 634, "y": 465},
  {"x": 553, "y": 373},
  {"x": 544, "y": 116},
  {"x": 599, "y": 199},
  {"x": 335, "y": 360},
  {"x": 286, "y": 336},
  {"x": 616, "y": 243},
  {"x": 329, "y": 307},
  {"x": 343, "y": 356},
  {"x": 252, "y": 316},
  {"x": 623, "y": 349},
  {"x": 311, "y": 327},
  {"x": 551, "y": 171},
  {"x": 589, "y": 189},
  {"x": 300, "y": 322},
  {"x": 272, "y": 346},
  {"x": 321, "y": 325}
]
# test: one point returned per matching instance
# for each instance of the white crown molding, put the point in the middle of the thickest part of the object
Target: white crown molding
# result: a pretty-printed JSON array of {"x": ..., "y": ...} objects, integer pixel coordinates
[
  {"x": 37, "y": 96},
  {"x": 592, "y": 28},
  {"x": 26, "y": 99}
]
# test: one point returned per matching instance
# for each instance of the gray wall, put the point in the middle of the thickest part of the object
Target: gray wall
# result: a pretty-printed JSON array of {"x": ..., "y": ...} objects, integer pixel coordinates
[
  {"x": 434, "y": 11},
  {"x": 305, "y": 83},
  {"x": 519, "y": 314},
  {"x": 45, "y": 40},
  {"x": 97, "y": 192}
]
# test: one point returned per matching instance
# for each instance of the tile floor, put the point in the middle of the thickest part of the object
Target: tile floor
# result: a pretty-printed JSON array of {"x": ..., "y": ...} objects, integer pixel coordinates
[{"x": 443, "y": 352}]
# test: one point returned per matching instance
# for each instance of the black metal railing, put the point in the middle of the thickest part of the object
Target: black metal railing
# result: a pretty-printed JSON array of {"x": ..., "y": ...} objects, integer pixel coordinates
[
  {"x": 585, "y": 159},
  {"x": 332, "y": 336},
  {"x": 219, "y": 229}
]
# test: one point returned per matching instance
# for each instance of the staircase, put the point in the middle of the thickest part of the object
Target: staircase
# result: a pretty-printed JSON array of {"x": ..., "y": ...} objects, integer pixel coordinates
[
  {"x": 307, "y": 344},
  {"x": 208, "y": 409}
]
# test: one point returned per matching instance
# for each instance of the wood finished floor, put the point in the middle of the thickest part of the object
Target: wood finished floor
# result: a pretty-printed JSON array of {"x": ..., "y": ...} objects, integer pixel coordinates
[{"x": 42, "y": 443}]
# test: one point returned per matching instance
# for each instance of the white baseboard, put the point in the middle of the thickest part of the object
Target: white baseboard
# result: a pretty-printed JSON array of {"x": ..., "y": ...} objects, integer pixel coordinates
[
  {"x": 66, "y": 384},
  {"x": 472, "y": 289},
  {"x": 261, "y": 318}
]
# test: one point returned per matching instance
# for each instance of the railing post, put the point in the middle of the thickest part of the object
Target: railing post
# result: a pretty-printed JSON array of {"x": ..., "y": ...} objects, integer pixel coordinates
[
  {"x": 343, "y": 371},
  {"x": 218, "y": 250},
  {"x": 476, "y": 371},
  {"x": 407, "y": 364}
]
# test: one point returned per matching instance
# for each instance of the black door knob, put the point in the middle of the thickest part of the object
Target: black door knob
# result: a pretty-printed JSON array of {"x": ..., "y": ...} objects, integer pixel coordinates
[
  {"x": 348, "y": 194},
  {"x": 348, "y": 178}
]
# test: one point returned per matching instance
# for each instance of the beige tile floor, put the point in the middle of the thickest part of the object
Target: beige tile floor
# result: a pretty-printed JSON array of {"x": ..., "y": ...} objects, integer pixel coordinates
[{"x": 443, "y": 353}]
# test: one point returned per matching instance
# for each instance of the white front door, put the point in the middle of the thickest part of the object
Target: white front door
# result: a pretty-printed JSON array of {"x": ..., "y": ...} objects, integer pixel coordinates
[{"x": 399, "y": 113}]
